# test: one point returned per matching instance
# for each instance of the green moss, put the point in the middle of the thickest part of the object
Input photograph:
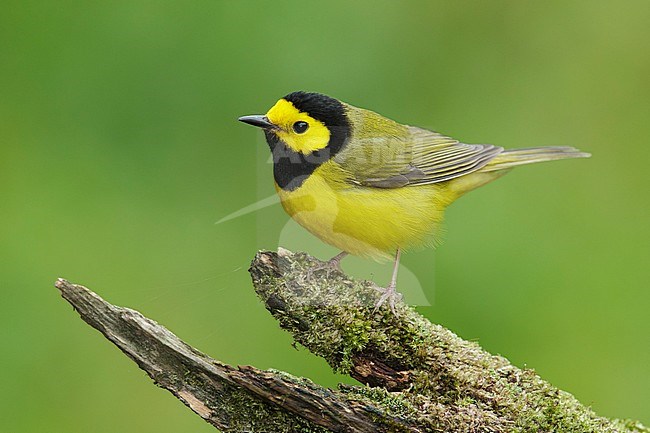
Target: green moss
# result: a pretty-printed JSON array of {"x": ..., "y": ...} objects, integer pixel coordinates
[
  {"x": 246, "y": 413},
  {"x": 396, "y": 403},
  {"x": 453, "y": 382}
]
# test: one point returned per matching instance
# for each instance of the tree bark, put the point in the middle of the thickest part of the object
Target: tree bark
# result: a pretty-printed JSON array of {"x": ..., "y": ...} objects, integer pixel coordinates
[{"x": 417, "y": 376}]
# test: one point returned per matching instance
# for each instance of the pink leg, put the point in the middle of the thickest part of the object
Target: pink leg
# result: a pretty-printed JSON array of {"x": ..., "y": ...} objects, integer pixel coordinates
[
  {"x": 390, "y": 293},
  {"x": 333, "y": 264}
]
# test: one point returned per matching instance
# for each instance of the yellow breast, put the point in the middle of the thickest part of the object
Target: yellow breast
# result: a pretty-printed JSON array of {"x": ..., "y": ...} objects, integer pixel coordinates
[{"x": 369, "y": 222}]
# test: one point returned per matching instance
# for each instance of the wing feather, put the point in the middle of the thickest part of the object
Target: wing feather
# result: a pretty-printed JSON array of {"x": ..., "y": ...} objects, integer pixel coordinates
[{"x": 422, "y": 157}]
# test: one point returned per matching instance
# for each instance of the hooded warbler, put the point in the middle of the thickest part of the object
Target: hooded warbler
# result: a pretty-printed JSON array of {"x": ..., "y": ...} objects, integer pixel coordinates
[{"x": 371, "y": 186}]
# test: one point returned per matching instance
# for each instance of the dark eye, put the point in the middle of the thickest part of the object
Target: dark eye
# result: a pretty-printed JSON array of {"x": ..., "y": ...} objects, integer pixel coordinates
[{"x": 300, "y": 127}]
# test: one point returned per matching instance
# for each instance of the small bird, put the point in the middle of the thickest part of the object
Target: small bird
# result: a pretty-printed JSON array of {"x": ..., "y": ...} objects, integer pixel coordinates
[{"x": 370, "y": 186}]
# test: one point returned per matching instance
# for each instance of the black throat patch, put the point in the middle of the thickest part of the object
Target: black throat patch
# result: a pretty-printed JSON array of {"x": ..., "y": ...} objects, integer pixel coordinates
[{"x": 291, "y": 168}]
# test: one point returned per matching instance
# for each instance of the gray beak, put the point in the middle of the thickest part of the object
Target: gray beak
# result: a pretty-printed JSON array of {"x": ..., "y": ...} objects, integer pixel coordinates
[{"x": 259, "y": 121}]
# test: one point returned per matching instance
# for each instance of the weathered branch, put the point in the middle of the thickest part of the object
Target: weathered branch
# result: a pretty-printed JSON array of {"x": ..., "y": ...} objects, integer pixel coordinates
[
  {"x": 420, "y": 377},
  {"x": 242, "y": 399}
]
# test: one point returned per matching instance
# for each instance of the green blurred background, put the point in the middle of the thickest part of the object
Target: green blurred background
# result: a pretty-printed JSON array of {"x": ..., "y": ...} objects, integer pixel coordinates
[{"x": 120, "y": 149}]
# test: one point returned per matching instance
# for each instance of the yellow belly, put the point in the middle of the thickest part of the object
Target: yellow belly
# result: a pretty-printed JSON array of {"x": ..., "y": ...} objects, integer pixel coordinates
[{"x": 369, "y": 222}]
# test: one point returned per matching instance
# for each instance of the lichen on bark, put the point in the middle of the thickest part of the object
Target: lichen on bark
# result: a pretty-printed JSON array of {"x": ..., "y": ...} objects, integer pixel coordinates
[
  {"x": 423, "y": 369},
  {"x": 417, "y": 376}
]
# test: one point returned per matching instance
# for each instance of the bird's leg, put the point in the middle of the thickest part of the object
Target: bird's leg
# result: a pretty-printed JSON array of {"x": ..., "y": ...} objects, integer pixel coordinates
[
  {"x": 333, "y": 264},
  {"x": 390, "y": 293}
]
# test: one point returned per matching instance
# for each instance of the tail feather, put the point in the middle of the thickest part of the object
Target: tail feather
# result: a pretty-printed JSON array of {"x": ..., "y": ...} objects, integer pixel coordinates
[{"x": 514, "y": 157}]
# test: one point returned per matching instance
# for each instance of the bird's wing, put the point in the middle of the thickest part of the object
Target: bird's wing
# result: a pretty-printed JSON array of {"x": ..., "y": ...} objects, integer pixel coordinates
[
  {"x": 420, "y": 157},
  {"x": 442, "y": 158}
]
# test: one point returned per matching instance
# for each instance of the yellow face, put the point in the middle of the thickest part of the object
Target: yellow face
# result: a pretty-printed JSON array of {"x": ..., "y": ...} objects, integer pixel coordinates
[{"x": 299, "y": 131}]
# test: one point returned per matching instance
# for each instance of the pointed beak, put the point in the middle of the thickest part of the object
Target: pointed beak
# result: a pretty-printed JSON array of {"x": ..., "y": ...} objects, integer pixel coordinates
[{"x": 259, "y": 121}]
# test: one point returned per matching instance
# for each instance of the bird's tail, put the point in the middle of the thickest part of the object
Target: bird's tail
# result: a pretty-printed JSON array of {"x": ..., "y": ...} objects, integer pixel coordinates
[
  {"x": 503, "y": 162},
  {"x": 514, "y": 157}
]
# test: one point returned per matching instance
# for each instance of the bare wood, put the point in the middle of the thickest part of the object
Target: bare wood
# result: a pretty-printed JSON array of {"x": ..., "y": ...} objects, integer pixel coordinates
[
  {"x": 233, "y": 399},
  {"x": 421, "y": 376}
]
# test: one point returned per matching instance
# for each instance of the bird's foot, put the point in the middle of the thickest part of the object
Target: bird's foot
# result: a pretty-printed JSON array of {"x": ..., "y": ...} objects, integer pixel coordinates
[
  {"x": 389, "y": 294},
  {"x": 332, "y": 265}
]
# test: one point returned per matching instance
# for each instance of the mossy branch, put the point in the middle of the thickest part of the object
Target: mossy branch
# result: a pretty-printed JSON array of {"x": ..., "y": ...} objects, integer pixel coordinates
[{"x": 419, "y": 376}]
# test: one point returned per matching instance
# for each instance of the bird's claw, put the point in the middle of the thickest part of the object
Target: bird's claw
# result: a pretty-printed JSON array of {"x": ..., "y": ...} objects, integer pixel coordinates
[
  {"x": 332, "y": 265},
  {"x": 389, "y": 294}
]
